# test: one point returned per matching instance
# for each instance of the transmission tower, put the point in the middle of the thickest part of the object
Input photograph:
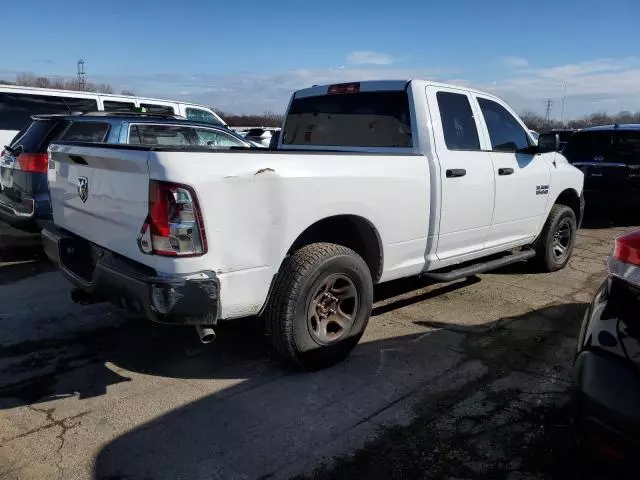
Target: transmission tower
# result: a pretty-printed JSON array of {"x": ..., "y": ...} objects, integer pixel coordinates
[
  {"x": 81, "y": 80},
  {"x": 547, "y": 105}
]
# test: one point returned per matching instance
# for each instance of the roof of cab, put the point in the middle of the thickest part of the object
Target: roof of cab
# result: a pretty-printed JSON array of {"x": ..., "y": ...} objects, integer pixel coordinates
[
  {"x": 382, "y": 85},
  {"x": 616, "y": 127}
]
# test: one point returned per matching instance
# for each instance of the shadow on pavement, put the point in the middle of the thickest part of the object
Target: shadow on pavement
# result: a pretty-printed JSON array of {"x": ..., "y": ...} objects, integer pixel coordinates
[
  {"x": 21, "y": 255},
  {"x": 610, "y": 216},
  {"x": 276, "y": 420},
  {"x": 160, "y": 350}
]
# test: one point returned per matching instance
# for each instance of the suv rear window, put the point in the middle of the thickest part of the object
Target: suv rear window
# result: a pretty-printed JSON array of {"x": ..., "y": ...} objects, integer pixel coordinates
[
  {"x": 365, "y": 119},
  {"x": 612, "y": 146},
  {"x": 36, "y": 137},
  {"x": 86, "y": 132}
]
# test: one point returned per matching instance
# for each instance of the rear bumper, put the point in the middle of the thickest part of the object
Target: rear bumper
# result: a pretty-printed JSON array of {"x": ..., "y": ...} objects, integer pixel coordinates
[
  {"x": 606, "y": 400},
  {"x": 191, "y": 299}
]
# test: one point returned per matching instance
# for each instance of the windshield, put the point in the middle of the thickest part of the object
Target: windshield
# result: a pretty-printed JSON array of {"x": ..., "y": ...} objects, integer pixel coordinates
[
  {"x": 604, "y": 146},
  {"x": 366, "y": 119}
]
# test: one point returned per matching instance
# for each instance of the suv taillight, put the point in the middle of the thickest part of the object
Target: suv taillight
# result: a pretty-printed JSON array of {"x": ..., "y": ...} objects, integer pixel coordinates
[
  {"x": 624, "y": 263},
  {"x": 174, "y": 225},
  {"x": 32, "y": 162}
]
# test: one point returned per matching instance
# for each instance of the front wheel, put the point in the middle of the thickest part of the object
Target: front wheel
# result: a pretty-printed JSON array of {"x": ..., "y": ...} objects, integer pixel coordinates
[
  {"x": 555, "y": 244},
  {"x": 320, "y": 305}
]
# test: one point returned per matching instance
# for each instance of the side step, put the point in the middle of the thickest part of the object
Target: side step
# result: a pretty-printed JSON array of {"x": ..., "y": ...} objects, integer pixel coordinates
[{"x": 474, "y": 269}]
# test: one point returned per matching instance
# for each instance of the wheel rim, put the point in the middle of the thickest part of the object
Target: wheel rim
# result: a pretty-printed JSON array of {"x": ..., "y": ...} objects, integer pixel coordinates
[
  {"x": 333, "y": 309},
  {"x": 561, "y": 241}
]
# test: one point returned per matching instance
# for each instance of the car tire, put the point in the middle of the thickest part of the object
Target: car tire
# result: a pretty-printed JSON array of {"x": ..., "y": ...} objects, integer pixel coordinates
[
  {"x": 555, "y": 243},
  {"x": 320, "y": 305}
]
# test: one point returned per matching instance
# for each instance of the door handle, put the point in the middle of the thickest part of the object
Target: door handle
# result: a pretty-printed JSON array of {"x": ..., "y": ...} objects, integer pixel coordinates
[
  {"x": 505, "y": 171},
  {"x": 456, "y": 172}
]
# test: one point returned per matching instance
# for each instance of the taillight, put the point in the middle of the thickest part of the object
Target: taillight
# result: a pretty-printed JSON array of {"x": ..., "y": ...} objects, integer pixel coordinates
[
  {"x": 174, "y": 225},
  {"x": 32, "y": 162},
  {"x": 344, "y": 88},
  {"x": 624, "y": 263}
]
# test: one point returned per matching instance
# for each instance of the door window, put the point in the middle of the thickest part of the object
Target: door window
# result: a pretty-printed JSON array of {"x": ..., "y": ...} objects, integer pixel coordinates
[
  {"x": 158, "y": 109},
  {"x": 214, "y": 138},
  {"x": 110, "y": 106},
  {"x": 149, "y": 134},
  {"x": 458, "y": 125},
  {"x": 201, "y": 115},
  {"x": 16, "y": 108},
  {"x": 505, "y": 132}
]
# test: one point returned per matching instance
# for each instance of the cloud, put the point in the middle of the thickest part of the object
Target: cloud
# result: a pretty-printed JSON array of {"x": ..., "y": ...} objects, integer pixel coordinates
[
  {"x": 369, "y": 58},
  {"x": 248, "y": 92},
  {"x": 606, "y": 84},
  {"x": 515, "y": 62}
]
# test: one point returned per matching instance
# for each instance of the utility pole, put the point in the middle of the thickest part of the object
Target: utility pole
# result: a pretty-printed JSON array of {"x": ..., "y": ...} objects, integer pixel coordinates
[
  {"x": 82, "y": 84},
  {"x": 564, "y": 95},
  {"x": 548, "y": 103}
]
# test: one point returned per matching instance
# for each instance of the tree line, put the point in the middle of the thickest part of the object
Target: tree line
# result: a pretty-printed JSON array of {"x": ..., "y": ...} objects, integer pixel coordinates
[
  {"x": 271, "y": 119},
  {"x": 542, "y": 125},
  {"x": 267, "y": 119}
]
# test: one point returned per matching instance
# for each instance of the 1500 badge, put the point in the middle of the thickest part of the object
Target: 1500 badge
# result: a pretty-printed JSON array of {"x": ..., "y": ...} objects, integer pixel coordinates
[{"x": 542, "y": 189}]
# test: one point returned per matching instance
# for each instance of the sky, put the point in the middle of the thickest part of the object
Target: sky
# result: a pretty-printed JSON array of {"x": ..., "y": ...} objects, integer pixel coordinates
[{"x": 249, "y": 56}]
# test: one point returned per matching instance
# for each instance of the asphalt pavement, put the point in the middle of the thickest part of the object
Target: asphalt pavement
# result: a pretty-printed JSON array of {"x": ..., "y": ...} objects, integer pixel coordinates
[{"x": 462, "y": 380}]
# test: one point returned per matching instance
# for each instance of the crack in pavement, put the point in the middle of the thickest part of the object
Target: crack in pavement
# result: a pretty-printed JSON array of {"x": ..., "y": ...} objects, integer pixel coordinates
[{"x": 53, "y": 423}]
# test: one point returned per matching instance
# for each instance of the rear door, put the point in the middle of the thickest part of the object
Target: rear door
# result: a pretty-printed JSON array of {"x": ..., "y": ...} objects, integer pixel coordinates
[
  {"x": 521, "y": 179},
  {"x": 466, "y": 173},
  {"x": 101, "y": 194}
]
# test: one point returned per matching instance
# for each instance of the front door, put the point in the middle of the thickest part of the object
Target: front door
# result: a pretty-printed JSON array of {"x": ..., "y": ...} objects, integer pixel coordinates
[
  {"x": 466, "y": 174},
  {"x": 521, "y": 178}
]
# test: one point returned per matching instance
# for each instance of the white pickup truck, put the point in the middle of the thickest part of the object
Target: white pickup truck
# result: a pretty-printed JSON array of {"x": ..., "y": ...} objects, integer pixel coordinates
[{"x": 371, "y": 182}]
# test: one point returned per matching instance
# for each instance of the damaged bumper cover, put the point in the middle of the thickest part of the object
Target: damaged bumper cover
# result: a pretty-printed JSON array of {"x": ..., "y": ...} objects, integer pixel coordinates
[{"x": 191, "y": 299}]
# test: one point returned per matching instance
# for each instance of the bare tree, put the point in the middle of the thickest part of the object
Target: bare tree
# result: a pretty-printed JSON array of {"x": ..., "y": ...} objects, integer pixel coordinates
[{"x": 31, "y": 80}]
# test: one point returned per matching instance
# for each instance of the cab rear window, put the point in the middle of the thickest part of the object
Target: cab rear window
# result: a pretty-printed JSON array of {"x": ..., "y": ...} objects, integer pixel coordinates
[{"x": 365, "y": 119}]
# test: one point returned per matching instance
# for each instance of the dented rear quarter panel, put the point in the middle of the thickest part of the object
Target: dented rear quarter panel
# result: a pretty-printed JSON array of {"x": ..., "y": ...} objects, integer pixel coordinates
[{"x": 256, "y": 205}]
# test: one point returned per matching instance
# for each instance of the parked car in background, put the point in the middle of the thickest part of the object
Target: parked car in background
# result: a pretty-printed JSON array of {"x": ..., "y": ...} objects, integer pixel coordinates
[
  {"x": 371, "y": 182},
  {"x": 606, "y": 377},
  {"x": 609, "y": 156},
  {"x": 24, "y": 195},
  {"x": 18, "y": 104}
]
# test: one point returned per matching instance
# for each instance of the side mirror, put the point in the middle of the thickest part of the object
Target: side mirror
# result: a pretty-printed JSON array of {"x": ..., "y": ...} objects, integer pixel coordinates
[{"x": 549, "y": 142}]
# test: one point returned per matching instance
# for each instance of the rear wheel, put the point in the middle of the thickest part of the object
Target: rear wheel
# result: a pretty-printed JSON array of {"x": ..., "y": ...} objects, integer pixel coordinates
[
  {"x": 555, "y": 244},
  {"x": 320, "y": 305}
]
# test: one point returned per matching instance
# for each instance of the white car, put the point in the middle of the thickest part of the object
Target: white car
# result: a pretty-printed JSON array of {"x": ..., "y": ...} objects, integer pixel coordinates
[
  {"x": 371, "y": 182},
  {"x": 18, "y": 104}
]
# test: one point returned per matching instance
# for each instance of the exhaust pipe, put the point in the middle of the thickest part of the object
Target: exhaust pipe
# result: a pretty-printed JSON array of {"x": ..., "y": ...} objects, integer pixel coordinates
[{"x": 206, "y": 334}]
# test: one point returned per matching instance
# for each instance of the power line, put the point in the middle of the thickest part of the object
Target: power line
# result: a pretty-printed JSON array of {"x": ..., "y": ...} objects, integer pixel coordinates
[
  {"x": 564, "y": 96},
  {"x": 82, "y": 84},
  {"x": 548, "y": 103}
]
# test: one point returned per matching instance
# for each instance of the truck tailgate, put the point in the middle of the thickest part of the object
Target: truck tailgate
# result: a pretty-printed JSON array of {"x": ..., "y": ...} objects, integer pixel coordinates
[{"x": 100, "y": 194}]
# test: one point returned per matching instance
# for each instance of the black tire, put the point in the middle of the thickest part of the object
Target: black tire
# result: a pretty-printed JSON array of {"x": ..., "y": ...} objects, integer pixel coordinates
[
  {"x": 287, "y": 316},
  {"x": 547, "y": 256}
]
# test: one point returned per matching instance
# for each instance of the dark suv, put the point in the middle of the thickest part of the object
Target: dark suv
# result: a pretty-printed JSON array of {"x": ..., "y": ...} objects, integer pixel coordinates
[
  {"x": 609, "y": 156},
  {"x": 24, "y": 194}
]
